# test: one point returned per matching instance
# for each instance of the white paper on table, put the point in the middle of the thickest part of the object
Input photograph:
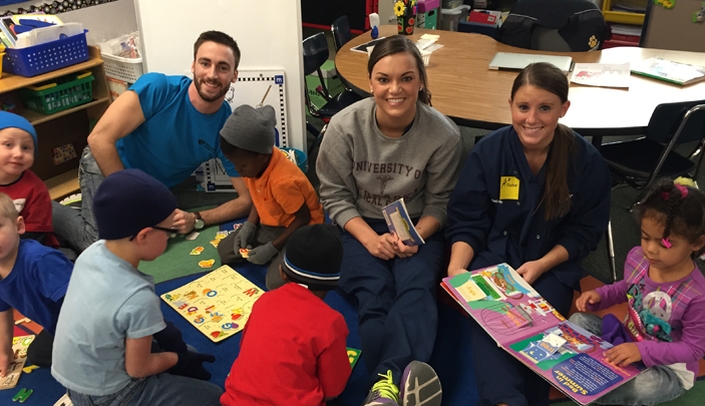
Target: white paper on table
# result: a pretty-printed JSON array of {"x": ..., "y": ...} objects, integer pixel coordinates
[{"x": 601, "y": 74}]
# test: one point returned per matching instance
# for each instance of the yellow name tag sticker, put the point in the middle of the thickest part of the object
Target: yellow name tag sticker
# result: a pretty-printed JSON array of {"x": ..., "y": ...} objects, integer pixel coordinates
[{"x": 509, "y": 188}]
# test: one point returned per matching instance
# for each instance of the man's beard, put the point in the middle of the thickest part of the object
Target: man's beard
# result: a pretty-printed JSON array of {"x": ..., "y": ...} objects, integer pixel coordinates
[{"x": 205, "y": 96}]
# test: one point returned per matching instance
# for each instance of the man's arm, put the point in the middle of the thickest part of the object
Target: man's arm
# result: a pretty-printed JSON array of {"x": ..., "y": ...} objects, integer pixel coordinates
[
  {"x": 227, "y": 211},
  {"x": 122, "y": 117}
]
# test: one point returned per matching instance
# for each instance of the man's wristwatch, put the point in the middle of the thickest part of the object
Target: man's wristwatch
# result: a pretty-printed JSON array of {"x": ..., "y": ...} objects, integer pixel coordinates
[{"x": 198, "y": 223}]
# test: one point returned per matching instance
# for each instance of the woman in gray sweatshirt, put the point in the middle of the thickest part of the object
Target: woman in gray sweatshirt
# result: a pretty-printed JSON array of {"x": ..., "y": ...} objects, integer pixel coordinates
[{"x": 390, "y": 146}]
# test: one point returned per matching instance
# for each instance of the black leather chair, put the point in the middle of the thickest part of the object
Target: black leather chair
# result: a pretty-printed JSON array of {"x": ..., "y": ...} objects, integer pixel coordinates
[{"x": 555, "y": 25}]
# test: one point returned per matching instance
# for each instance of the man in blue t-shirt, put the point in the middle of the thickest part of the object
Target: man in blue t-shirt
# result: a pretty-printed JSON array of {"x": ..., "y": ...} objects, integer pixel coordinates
[{"x": 166, "y": 126}]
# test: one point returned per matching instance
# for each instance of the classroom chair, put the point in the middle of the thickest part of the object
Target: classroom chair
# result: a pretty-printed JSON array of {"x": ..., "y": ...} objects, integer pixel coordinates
[
  {"x": 639, "y": 162},
  {"x": 315, "y": 50},
  {"x": 341, "y": 36},
  {"x": 555, "y": 25},
  {"x": 341, "y": 32}
]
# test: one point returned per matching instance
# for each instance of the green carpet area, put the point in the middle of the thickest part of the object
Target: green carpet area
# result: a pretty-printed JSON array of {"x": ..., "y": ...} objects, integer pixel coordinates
[
  {"x": 176, "y": 261},
  {"x": 690, "y": 398}
]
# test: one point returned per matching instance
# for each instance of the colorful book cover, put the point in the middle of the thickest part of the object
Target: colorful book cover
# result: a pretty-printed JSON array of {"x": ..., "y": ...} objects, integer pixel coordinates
[
  {"x": 399, "y": 222},
  {"x": 670, "y": 71},
  {"x": 218, "y": 304},
  {"x": 526, "y": 326},
  {"x": 19, "y": 348}
]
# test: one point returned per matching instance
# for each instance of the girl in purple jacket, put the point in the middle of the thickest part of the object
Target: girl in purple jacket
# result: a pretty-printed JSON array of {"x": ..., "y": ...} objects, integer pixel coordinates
[{"x": 665, "y": 291}]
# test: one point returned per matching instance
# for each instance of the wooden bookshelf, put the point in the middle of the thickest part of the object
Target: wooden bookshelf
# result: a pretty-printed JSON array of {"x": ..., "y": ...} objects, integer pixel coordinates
[{"x": 63, "y": 185}]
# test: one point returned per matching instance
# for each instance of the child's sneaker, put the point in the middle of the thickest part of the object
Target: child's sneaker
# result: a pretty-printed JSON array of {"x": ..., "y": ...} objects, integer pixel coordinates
[
  {"x": 383, "y": 392},
  {"x": 420, "y": 385}
]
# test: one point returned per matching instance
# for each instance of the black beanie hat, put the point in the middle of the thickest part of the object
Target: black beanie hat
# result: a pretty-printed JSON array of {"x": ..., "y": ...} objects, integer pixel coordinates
[
  {"x": 313, "y": 255},
  {"x": 128, "y": 201}
]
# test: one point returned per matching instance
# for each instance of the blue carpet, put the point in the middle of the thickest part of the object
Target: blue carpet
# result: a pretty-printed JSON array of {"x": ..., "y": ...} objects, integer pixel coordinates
[{"x": 451, "y": 357}]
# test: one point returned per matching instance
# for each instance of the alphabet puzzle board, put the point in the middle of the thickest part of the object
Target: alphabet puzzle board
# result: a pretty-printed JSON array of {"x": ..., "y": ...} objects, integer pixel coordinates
[
  {"x": 19, "y": 348},
  {"x": 218, "y": 304}
]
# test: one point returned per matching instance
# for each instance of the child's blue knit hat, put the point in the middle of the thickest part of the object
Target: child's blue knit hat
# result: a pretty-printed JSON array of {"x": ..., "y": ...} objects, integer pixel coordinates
[{"x": 12, "y": 120}]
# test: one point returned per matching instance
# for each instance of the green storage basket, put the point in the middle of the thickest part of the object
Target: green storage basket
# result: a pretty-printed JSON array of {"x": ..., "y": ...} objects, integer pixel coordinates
[{"x": 59, "y": 94}]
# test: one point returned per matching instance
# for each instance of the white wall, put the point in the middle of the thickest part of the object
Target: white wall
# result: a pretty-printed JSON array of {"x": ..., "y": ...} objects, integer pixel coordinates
[
  {"x": 268, "y": 33},
  {"x": 103, "y": 22}
]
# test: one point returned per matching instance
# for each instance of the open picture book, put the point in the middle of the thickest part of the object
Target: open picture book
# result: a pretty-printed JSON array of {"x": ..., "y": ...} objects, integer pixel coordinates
[
  {"x": 670, "y": 71},
  {"x": 526, "y": 326}
]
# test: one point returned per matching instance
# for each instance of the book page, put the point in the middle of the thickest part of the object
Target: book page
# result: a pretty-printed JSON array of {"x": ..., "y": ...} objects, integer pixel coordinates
[
  {"x": 573, "y": 360},
  {"x": 503, "y": 303},
  {"x": 601, "y": 74}
]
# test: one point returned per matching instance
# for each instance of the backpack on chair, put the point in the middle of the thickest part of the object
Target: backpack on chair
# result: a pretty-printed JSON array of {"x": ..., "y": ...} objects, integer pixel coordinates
[{"x": 555, "y": 25}]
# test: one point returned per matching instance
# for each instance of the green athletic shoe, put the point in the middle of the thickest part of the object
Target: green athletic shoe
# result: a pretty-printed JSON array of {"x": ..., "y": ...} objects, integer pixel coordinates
[{"x": 383, "y": 392}]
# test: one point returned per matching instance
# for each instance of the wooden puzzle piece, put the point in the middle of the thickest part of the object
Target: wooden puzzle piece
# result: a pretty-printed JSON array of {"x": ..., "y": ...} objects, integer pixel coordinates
[{"x": 22, "y": 395}]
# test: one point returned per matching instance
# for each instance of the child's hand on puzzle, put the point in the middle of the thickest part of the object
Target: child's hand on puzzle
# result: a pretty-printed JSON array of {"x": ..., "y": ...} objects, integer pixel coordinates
[
  {"x": 262, "y": 254},
  {"x": 6, "y": 358},
  {"x": 244, "y": 235},
  {"x": 590, "y": 297},
  {"x": 623, "y": 354}
]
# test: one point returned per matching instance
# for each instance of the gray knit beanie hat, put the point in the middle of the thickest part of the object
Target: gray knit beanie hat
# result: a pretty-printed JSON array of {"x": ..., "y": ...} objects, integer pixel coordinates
[{"x": 251, "y": 128}]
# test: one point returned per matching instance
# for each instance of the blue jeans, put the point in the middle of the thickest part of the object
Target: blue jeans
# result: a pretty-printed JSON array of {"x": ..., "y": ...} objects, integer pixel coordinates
[
  {"x": 156, "y": 390},
  {"x": 396, "y": 301},
  {"x": 77, "y": 226},
  {"x": 656, "y": 385}
]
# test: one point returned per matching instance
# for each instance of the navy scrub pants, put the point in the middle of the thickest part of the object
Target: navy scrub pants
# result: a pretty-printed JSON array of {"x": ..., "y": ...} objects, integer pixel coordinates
[
  {"x": 396, "y": 300},
  {"x": 500, "y": 377}
]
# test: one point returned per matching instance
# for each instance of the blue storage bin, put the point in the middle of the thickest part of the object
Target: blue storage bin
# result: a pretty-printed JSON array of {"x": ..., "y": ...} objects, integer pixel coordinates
[{"x": 43, "y": 58}]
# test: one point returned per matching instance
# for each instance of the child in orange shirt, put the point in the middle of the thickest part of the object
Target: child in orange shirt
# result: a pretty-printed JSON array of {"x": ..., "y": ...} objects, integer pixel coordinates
[{"x": 283, "y": 198}]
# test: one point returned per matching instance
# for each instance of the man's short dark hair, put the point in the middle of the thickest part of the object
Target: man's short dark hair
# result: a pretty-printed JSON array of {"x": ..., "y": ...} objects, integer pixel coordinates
[{"x": 219, "y": 38}]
